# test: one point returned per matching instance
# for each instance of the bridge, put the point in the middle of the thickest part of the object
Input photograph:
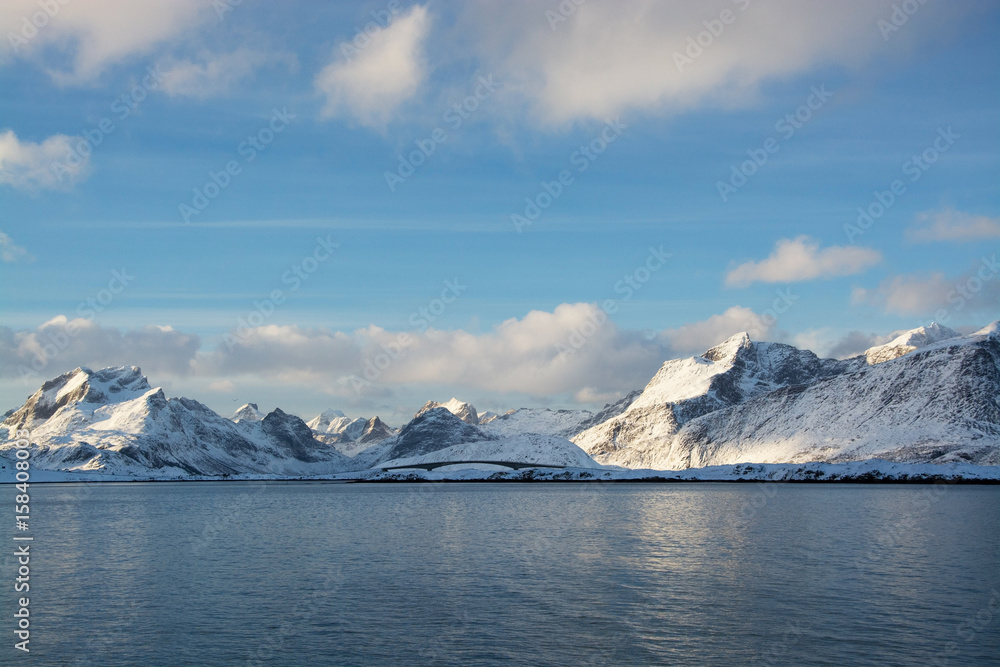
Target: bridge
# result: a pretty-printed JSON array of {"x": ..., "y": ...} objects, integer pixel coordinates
[{"x": 516, "y": 465}]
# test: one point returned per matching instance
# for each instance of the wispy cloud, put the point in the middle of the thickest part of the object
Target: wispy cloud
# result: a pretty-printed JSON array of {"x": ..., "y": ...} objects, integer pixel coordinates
[
  {"x": 799, "y": 259},
  {"x": 951, "y": 225},
  {"x": 11, "y": 252},
  {"x": 370, "y": 83},
  {"x": 30, "y": 166},
  {"x": 212, "y": 74}
]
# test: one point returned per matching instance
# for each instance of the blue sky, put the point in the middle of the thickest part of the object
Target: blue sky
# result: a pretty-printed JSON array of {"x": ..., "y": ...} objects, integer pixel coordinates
[{"x": 571, "y": 310}]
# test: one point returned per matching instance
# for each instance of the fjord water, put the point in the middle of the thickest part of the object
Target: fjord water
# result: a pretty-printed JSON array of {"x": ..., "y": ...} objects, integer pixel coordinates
[{"x": 481, "y": 574}]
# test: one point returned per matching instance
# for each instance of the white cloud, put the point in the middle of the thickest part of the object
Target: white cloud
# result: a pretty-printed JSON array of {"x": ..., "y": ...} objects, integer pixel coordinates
[
  {"x": 800, "y": 259},
  {"x": 212, "y": 74},
  {"x": 10, "y": 252},
  {"x": 696, "y": 337},
  {"x": 950, "y": 225},
  {"x": 372, "y": 82},
  {"x": 62, "y": 344},
  {"x": 525, "y": 356},
  {"x": 614, "y": 56},
  {"x": 96, "y": 34},
  {"x": 26, "y": 165}
]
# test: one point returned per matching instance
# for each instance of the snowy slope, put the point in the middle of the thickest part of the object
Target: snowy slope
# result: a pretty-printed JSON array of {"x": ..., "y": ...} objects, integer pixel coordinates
[
  {"x": 683, "y": 389},
  {"x": 909, "y": 341},
  {"x": 563, "y": 423}
]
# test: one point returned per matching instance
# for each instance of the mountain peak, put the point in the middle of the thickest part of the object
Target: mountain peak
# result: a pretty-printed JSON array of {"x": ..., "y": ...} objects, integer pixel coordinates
[
  {"x": 908, "y": 341},
  {"x": 729, "y": 348},
  {"x": 248, "y": 412},
  {"x": 460, "y": 409}
]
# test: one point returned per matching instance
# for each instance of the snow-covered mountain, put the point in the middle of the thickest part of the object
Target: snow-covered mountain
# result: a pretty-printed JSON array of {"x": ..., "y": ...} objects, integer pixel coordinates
[
  {"x": 929, "y": 396},
  {"x": 348, "y": 436},
  {"x": 112, "y": 421},
  {"x": 937, "y": 403},
  {"x": 909, "y": 341},
  {"x": 429, "y": 431},
  {"x": 528, "y": 448},
  {"x": 460, "y": 409},
  {"x": 437, "y": 435},
  {"x": 683, "y": 389}
]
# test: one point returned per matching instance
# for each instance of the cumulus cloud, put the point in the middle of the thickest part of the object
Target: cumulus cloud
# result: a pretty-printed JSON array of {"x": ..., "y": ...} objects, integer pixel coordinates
[
  {"x": 527, "y": 354},
  {"x": 951, "y": 225},
  {"x": 800, "y": 259},
  {"x": 95, "y": 34},
  {"x": 26, "y": 165},
  {"x": 573, "y": 351},
  {"x": 11, "y": 252},
  {"x": 607, "y": 57},
  {"x": 62, "y": 344},
  {"x": 372, "y": 81},
  {"x": 212, "y": 74}
]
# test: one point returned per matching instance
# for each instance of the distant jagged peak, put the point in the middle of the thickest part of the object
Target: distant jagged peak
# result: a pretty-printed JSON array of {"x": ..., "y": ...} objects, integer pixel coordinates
[
  {"x": 908, "y": 341},
  {"x": 329, "y": 419},
  {"x": 729, "y": 348},
  {"x": 248, "y": 413},
  {"x": 464, "y": 411}
]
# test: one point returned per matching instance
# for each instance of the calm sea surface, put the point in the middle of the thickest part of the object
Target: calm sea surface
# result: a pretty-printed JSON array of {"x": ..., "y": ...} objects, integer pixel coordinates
[{"x": 522, "y": 574}]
